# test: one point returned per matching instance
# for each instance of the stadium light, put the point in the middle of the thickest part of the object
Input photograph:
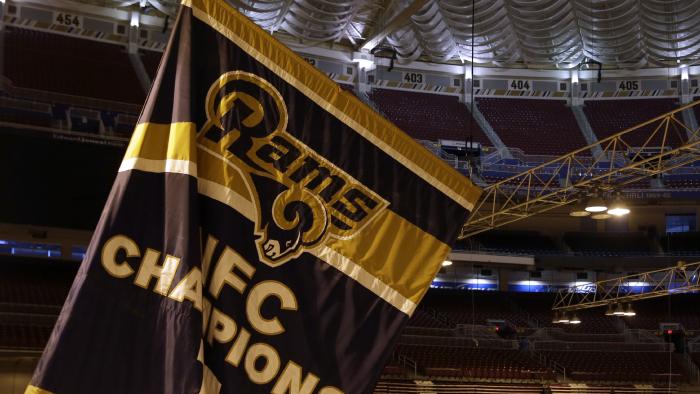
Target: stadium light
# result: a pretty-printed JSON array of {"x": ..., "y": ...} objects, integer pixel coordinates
[
  {"x": 618, "y": 208},
  {"x": 619, "y": 311},
  {"x": 575, "y": 319},
  {"x": 596, "y": 204},
  {"x": 579, "y": 210},
  {"x": 446, "y": 263},
  {"x": 629, "y": 311},
  {"x": 610, "y": 311},
  {"x": 365, "y": 64},
  {"x": 365, "y": 61},
  {"x": 601, "y": 216},
  {"x": 574, "y": 76},
  {"x": 135, "y": 19},
  {"x": 684, "y": 72}
]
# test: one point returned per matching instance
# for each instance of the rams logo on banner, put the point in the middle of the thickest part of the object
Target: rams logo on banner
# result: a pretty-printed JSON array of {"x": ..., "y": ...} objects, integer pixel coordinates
[{"x": 306, "y": 198}]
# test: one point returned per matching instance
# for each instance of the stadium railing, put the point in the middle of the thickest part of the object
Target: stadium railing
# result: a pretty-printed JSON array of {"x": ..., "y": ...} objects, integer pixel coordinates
[{"x": 429, "y": 387}]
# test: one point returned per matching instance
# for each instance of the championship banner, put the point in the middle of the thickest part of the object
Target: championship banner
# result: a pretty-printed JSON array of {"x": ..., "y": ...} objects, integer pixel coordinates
[{"x": 267, "y": 232}]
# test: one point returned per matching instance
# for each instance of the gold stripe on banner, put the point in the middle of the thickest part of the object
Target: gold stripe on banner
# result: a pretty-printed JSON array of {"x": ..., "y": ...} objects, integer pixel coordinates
[
  {"x": 157, "y": 147},
  {"x": 35, "y": 390},
  {"x": 223, "y": 182},
  {"x": 328, "y": 95},
  {"x": 364, "y": 278},
  {"x": 407, "y": 266},
  {"x": 149, "y": 139}
]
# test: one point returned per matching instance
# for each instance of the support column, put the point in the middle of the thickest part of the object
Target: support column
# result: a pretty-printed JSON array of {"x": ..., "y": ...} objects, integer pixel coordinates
[
  {"x": 685, "y": 84},
  {"x": 364, "y": 63},
  {"x": 575, "y": 99},
  {"x": 361, "y": 84},
  {"x": 503, "y": 277},
  {"x": 468, "y": 83},
  {"x": 66, "y": 250},
  {"x": 133, "y": 51}
]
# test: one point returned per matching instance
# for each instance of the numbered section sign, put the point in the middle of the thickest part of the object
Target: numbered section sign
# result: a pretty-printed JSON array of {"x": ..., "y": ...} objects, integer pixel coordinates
[
  {"x": 520, "y": 84},
  {"x": 629, "y": 84},
  {"x": 67, "y": 19},
  {"x": 413, "y": 77}
]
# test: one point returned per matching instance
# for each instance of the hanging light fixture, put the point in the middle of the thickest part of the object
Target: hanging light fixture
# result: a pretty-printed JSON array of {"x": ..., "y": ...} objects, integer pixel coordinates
[
  {"x": 629, "y": 311},
  {"x": 619, "y": 310},
  {"x": 563, "y": 318},
  {"x": 579, "y": 210},
  {"x": 618, "y": 207},
  {"x": 555, "y": 317},
  {"x": 446, "y": 263},
  {"x": 601, "y": 216},
  {"x": 596, "y": 204},
  {"x": 575, "y": 319},
  {"x": 610, "y": 311}
]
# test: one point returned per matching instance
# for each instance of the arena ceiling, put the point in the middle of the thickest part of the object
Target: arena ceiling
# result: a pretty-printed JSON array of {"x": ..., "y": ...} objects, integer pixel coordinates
[{"x": 507, "y": 33}]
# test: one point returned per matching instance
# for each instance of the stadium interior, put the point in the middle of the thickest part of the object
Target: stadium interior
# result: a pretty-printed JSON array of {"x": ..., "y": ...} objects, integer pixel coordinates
[{"x": 551, "y": 106}]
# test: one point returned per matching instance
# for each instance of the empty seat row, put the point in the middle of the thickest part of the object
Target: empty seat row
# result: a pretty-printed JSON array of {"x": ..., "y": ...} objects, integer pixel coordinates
[
  {"x": 45, "y": 114},
  {"x": 428, "y": 116},
  {"x": 608, "y": 117},
  {"x": 79, "y": 67},
  {"x": 619, "y": 366},
  {"x": 545, "y": 127}
]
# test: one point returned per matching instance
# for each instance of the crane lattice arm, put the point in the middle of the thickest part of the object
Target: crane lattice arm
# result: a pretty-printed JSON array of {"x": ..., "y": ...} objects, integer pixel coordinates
[{"x": 649, "y": 148}]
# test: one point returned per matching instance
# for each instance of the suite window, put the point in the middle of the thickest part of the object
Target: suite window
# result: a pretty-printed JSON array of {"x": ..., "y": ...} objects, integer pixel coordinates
[{"x": 680, "y": 223}]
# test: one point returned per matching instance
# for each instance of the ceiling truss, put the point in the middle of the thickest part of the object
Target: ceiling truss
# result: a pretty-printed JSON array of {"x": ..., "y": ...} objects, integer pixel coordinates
[
  {"x": 653, "y": 147},
  {"x": 682, "y": 278}
]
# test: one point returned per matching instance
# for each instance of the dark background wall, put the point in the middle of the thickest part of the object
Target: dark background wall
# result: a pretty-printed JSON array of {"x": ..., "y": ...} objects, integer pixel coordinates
[{"x": 53, "y": 182}]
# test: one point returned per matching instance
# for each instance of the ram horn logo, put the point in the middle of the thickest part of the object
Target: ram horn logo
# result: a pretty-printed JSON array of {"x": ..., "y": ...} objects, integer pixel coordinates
[
  {"x": 300, "y": 197},
  {"x": 297, "y": 221}
]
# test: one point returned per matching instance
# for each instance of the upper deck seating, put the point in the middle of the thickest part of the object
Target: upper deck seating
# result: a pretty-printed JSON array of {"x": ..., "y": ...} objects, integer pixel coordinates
[
  {"x": 428, "y": 116},
  {"x": 457, "y": 307},
  {"x": 608, "y": 117},
  {"x": 75, "y": 66},
  {"x": 545, "y": 127}
]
